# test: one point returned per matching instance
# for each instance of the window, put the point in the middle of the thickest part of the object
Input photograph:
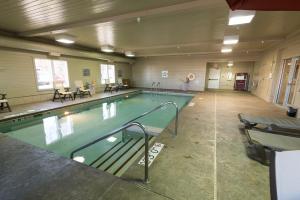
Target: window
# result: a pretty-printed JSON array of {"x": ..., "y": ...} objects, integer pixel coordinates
[
  {"x": 107, "y": 74},
  {"x": 49, "y": 71}
]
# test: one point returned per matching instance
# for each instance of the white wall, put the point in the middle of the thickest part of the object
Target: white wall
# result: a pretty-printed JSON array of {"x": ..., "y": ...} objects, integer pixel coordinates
[
  {"x": 238, "y": 67},
  {"x": 147, "y": 70},
  {"x": 267, "y": 69},
  {"x": 17, "y": 75}
]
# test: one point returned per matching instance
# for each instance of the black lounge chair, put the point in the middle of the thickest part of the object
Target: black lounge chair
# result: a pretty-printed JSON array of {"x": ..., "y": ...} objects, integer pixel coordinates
[
  {"x": 4, "y": 102},
  {"x": 283, "y": 122},
  {"x": 268, "y": 134}
]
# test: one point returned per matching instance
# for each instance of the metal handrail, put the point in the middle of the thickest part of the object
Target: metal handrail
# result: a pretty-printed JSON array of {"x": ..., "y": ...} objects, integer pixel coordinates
[
  {"x": 156, "y": 108},
  {"x": 153, "y": 86},
  {"x": 130, "y": 124},
  {"x": 146, "y": 176},
  {"x": 158, "y": 86}
]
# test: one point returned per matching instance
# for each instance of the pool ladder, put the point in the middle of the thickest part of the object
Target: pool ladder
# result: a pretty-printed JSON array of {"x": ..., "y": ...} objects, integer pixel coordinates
[
  {"x": 129, "y": 124},
  {"x": 155, "y": 87}
]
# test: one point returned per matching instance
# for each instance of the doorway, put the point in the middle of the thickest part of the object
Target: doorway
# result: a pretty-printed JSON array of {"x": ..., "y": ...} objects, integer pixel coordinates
[
  {"x": 214, "y": 78},
  {"x": 287, "y": 83}
]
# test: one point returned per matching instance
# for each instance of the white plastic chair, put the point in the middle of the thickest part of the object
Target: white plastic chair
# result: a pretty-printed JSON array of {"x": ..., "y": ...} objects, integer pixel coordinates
[
  {"x": 61, "y": 92},
  {"x": 4, "y": 102},
  {"x": 80, "y": 88}
]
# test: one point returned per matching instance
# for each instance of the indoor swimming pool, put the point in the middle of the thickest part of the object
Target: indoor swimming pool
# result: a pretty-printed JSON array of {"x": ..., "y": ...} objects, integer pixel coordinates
[{"x": 71, "y": 127}]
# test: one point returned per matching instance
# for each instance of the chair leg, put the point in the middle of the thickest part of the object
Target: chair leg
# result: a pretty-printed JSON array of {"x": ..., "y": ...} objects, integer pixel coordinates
[
  {"x": 8, "y": 107},
  {"x": 54, "y": 96},
  {"x": 70, "y": 96},
  {"x": 60, "y": 97}
]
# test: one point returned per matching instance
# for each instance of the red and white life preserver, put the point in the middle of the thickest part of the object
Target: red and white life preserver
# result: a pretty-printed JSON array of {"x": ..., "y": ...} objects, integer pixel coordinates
[{"x": 191, "y": 76}]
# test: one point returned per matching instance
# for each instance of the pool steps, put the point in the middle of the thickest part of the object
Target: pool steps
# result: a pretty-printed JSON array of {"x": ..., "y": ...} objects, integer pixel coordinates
[
  {"x": 155, "y": 131},
  {"x": 118, "y": 159}
]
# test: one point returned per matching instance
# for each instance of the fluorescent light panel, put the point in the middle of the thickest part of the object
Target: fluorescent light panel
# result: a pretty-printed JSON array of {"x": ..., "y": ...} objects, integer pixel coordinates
[
  {"x": 226, "y": 50},
  {"x": 129, "y": 54},
  {"x": 231, "y": 39},
  {"x": 230, "y": 64},
  {"x": 107, "y": 49},
  {"x": 66, "y": 39},
  {"x": 240, "y": 17}
]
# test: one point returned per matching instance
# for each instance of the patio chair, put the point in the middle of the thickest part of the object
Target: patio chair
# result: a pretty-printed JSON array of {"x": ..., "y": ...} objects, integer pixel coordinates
[
  {"x": 81, "y": 90},
  {"x": 4, "y": 102},
  {"x": 111, "y": 88},
  {"x": 61, "y": 93},
  {"x": 122, "y": 84}
]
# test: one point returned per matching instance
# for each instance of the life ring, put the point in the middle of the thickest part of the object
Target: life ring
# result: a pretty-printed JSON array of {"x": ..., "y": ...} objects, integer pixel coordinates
[{"x": 191, "y": 76}]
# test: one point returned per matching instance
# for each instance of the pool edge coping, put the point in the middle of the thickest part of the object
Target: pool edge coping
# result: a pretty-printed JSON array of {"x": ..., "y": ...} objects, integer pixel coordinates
[{"x": 16, "y": 116}]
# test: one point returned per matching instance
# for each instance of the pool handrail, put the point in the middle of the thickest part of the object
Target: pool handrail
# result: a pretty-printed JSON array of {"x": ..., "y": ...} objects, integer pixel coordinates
[
  {"x": 130, "y": 124},
  {"x": 146, "y": 174},
  {"x": 153, "y": 86},
  {"x": 158, "y": 86},
  {"x": 156, "y": 108}
]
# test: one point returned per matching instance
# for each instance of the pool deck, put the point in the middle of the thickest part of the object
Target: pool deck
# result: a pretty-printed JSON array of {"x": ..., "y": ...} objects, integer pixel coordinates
[
  {"x": 31, "y": 108},
  {"x": 206, "y": 160},
  {"x": 32, "y": 173}
]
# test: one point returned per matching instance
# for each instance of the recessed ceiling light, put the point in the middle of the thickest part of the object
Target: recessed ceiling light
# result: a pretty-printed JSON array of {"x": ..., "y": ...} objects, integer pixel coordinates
[
  {"x": 129, "y": 54},
  {"x": 66, "y": 39},
  {"x": 107, "y": 49},
  {"x": 231, "y": 39},
  {"x": 240, "y": 17},
  {"x": 230, "y": 64},
  {"x": 226, "y": 50}
]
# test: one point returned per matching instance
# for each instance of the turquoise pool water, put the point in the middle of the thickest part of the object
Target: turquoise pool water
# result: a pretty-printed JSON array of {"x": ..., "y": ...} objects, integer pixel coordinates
[{"x": 68, "y": 131}]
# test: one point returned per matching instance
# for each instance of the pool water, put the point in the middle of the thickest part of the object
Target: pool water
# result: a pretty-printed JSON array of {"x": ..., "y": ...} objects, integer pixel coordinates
[{"x": 64, "y": 133}]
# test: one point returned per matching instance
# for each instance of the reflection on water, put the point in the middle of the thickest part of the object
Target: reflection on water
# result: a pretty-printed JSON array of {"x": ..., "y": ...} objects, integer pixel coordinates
[
  {"x": 109, "y": 110},
  {"x": 55, "y": 129}
]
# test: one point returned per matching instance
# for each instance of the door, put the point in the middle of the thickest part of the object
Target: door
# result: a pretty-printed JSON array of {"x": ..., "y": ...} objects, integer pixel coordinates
[
  {"x": 288, "y": 79},
  {"x": 284, "y": 81},
  {"x": 214, "y": 78},
  {"x": 293, "y": 83}
]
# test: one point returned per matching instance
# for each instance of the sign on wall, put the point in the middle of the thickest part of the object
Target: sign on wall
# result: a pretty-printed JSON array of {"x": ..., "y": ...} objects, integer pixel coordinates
[
  {"x": 164, "y": 74},
  {"x": 86, "y": 72}
]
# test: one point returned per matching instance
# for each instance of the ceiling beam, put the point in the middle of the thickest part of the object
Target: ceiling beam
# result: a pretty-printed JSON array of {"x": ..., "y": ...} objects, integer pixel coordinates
[
  {"x": 203, "y": 53},
  {"x": 120, "y": 17},
  {"x": 212, "y": 42},
  {"x": 38, "y": 47}
]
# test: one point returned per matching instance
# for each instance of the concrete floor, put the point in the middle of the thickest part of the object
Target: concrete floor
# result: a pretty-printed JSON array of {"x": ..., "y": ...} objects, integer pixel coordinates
[{"x": 206, "y": 160}]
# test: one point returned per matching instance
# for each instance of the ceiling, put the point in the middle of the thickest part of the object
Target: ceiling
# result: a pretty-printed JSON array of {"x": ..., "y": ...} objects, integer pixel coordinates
[{"x": 166, "y": 27}]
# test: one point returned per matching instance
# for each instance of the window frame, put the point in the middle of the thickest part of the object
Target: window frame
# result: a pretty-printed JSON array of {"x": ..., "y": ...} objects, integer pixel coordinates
[
  {"x": 107, "y": 71},
  {"x": 52, "y": 74}
]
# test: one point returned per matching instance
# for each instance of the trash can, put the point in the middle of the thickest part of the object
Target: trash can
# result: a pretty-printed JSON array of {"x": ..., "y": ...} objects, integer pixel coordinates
[{"x": 292, "y": 112}]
